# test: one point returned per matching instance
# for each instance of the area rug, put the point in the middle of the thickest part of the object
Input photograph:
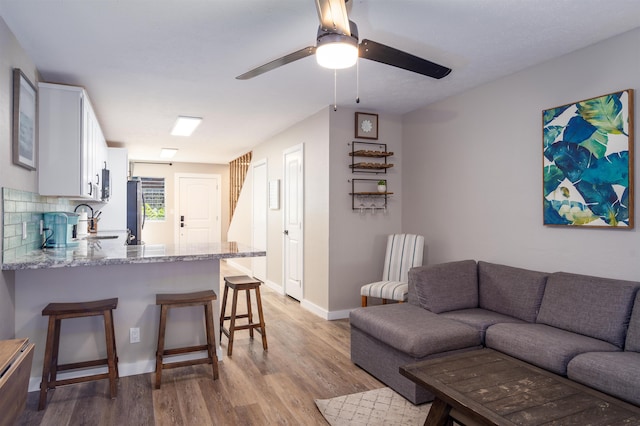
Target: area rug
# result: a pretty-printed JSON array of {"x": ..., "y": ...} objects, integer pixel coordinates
[{"x": 376, "y": 407}]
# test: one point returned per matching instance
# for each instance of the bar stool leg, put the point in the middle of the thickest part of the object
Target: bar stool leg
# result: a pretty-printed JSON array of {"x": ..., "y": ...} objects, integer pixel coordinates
[
  {"x": 263, "y": 331},
  {"x": 111, "y": 356},
  {"x": 211, "y": 338},
  {"x": 232, "y": 326},
  {"x": 223, "y": 310},
  {"x": 160, "y": 351},
  {"x": 53, "y": 372},
  {"x": 249, "y": 313},
  {"x": 46, "y": 368}
]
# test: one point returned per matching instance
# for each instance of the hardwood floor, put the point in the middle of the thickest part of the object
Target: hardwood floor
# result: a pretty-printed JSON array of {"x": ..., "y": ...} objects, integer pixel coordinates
[{"x": 308, "y": 358}]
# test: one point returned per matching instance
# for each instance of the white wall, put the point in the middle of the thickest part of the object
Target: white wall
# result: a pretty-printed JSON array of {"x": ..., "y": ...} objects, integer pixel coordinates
[
  {"x": 11, "y": 176},
  {"x": 473, "y": 168}
]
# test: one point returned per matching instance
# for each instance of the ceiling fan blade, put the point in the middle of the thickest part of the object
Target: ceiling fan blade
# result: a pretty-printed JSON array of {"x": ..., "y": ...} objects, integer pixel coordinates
[
  {"x": 388, "y": 55},
  {"x": 333, "y": 16},
  {"x": 287, "y": 59}
]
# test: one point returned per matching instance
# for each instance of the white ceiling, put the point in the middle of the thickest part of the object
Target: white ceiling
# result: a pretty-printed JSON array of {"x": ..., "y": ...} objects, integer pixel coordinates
[{"x": 144, "y": 62}]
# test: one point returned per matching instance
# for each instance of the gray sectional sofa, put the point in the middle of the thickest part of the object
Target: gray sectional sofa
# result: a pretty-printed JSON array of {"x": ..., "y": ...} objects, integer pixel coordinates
[{"x": 583, "y": 327}]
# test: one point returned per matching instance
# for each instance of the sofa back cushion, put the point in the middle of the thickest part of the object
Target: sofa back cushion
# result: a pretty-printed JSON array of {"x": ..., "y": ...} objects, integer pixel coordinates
[
  {"x": 445, "y": 287},
  {"x": 633, "y": 334},
  {"x": 592, "y": 306},
  {"x": 511, "y": 291}
]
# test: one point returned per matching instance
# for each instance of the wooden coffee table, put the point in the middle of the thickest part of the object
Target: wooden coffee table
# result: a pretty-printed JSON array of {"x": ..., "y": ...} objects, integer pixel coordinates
[{"x": 485, "y": 387}]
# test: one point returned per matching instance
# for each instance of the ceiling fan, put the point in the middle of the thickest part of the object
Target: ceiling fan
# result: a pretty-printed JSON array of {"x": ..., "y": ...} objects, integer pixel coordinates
[{"x": 337, "y": 47}]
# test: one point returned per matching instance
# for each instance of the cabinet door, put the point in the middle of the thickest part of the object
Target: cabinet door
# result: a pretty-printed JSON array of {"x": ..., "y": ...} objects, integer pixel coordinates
[{"x": 86, "y": 147}]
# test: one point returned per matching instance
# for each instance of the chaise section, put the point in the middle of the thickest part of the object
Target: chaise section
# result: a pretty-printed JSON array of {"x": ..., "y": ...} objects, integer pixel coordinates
[{"x": 385, "y": 337}]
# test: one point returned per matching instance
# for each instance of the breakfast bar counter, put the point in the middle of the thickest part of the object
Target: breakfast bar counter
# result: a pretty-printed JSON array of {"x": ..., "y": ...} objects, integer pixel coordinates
[{"x": 102, "y": 268}]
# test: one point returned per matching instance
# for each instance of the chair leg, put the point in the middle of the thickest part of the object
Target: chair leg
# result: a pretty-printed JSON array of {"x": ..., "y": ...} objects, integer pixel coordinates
[
  {"x": 211, "y": 338},
  {"x": 223, "y": 309},
  {"x": 249, "y": 312},
  {"x": 46, "y": 367},
  {"x": 364, "y": 301},
  {"x": 263, "y": 332},
  {"x": 160, "y": 350},
  {"x": 111, "y": 355},
  {"x": 232, "y": 326}
]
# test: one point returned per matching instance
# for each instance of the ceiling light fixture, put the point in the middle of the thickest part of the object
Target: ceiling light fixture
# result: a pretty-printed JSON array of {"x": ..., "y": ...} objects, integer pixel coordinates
[
  {"x": 337, "y": 51},
  {"x": 168, "y": 152},
  {"x": 185, "y": 126}
]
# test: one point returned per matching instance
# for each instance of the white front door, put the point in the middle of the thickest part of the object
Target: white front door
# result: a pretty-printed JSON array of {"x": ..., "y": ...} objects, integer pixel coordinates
[
  {"x": 293, "y": 212},
  {"x": 259, "y": 218},
  {"x": 198, "y": 209}
]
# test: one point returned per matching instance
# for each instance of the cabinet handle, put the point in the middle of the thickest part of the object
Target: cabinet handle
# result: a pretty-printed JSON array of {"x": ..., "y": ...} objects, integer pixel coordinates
[
  {"x": 97, "y": 179},
  {"x": 90, "y": 189}
]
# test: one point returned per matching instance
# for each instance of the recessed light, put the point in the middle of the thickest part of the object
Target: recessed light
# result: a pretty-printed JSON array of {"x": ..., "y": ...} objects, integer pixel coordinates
[
  {"x": 185, "y": 126},
  {"x": 168, "y": 152}
]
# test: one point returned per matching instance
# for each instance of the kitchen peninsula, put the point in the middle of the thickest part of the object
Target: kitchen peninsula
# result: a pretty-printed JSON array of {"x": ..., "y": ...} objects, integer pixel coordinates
[{"x": 101, "y": 268}]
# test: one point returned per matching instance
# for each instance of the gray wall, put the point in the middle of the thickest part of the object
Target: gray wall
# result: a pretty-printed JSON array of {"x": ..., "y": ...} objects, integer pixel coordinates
[
  {"x": 342, "y": 249},
  {"x": 473, "y": 168},
  {"x": 11, "y": 56}
]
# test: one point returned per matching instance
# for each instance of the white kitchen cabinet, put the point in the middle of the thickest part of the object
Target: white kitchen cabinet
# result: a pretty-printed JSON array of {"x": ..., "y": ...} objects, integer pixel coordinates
[{"x": 72, "y": 148}]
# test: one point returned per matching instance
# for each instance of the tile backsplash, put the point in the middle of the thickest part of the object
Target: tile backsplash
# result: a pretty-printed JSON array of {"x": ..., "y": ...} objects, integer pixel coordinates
[{"x": 20, "y": 207}]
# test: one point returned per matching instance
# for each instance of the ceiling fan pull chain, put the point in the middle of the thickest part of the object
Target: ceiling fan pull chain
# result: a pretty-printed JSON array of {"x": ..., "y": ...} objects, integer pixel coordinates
[
  {"x": 358, "y": 80},
  {"x": 335, "y": 90}
]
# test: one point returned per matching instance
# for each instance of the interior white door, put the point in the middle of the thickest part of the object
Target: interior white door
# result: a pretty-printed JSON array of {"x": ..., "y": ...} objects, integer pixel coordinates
[
  {"x": 293, "y": 211},
  {"x": 259, "y": 218},
  {"x": 198, "y": 211}
]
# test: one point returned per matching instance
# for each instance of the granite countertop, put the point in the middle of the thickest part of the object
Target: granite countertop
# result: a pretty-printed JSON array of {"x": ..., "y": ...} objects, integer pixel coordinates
[{"x": 103, "y": 249}]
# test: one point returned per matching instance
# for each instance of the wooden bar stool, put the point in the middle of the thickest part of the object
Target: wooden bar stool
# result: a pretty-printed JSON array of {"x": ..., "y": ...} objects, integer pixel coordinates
[
  {"x": 239, "y": 283},
  {"x": 167, "y": 301},
  {"x": 59, "y": 311}
]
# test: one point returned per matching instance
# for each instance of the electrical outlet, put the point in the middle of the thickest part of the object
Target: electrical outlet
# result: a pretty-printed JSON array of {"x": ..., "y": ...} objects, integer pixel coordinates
[
  {"x": 134, "y": 335},
  {"x": 24, "y": 230},
  {"x": 41, "y": 226}
]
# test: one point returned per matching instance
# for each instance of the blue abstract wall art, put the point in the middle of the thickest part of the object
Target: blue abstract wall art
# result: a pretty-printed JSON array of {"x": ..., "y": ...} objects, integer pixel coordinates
[{"x": 588, "y": 162}]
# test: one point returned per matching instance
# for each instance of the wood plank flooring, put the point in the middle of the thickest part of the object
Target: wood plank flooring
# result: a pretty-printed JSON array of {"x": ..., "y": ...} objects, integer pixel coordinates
[{"x": 308, "y": 358}]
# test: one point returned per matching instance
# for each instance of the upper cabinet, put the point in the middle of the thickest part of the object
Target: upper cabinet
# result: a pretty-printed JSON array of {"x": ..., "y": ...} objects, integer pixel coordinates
[{"x": 72, "y": 147}]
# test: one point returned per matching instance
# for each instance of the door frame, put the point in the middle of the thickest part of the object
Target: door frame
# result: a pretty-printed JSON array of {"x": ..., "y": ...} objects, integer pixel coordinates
[
  {"x": 294, "y": 148},
  {"x": 176, "y": 200}
]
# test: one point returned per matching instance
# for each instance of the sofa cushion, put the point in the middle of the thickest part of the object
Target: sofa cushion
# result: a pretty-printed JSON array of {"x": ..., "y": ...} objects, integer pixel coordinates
[
  {"x": 547, "y": 347},
  {"x": 446, "y": 286},
  {"x": 480, "y": 319},
  {"x": 615, "y": 373},
  {"x": 511, "y": 291},
  {"x": 595, "y": 307},
  {"x": 413, "y": 330},
  {"x": 633, "y": 334}
]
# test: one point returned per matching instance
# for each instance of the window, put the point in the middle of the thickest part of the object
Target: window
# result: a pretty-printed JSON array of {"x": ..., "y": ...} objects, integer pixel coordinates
[{"x": 153, "y": 192}]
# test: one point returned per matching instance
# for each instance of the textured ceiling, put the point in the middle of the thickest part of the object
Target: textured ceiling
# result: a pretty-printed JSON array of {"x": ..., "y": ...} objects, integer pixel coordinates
[{"x": 145, "y": 62}]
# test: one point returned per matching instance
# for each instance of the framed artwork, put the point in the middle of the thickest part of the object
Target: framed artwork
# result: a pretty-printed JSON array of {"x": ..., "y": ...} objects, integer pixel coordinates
[
  {"x": 24, "y": 121},
  {"x": 588, "y": 162},
  {"x": 366, "y": 125}
]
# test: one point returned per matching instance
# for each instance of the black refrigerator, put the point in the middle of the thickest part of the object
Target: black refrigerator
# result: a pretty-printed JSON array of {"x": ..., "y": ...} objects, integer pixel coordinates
[{"x": 135, "y": 211}]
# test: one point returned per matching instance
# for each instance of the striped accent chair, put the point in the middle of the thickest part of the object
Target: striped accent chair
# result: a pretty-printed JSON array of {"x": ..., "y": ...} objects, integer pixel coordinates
[{"x": 404, "y": 251}]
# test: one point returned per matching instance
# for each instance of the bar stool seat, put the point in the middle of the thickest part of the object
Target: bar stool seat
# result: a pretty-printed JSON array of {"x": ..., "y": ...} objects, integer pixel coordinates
[
  {"x": 180, "y": 300},
  {"x": 242, "y": 283},
  {"x": 56, "y": 313}
]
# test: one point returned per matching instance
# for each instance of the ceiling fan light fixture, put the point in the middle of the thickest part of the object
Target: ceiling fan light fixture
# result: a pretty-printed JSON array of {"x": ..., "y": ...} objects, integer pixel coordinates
[{"x": 337, "y": 51}]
